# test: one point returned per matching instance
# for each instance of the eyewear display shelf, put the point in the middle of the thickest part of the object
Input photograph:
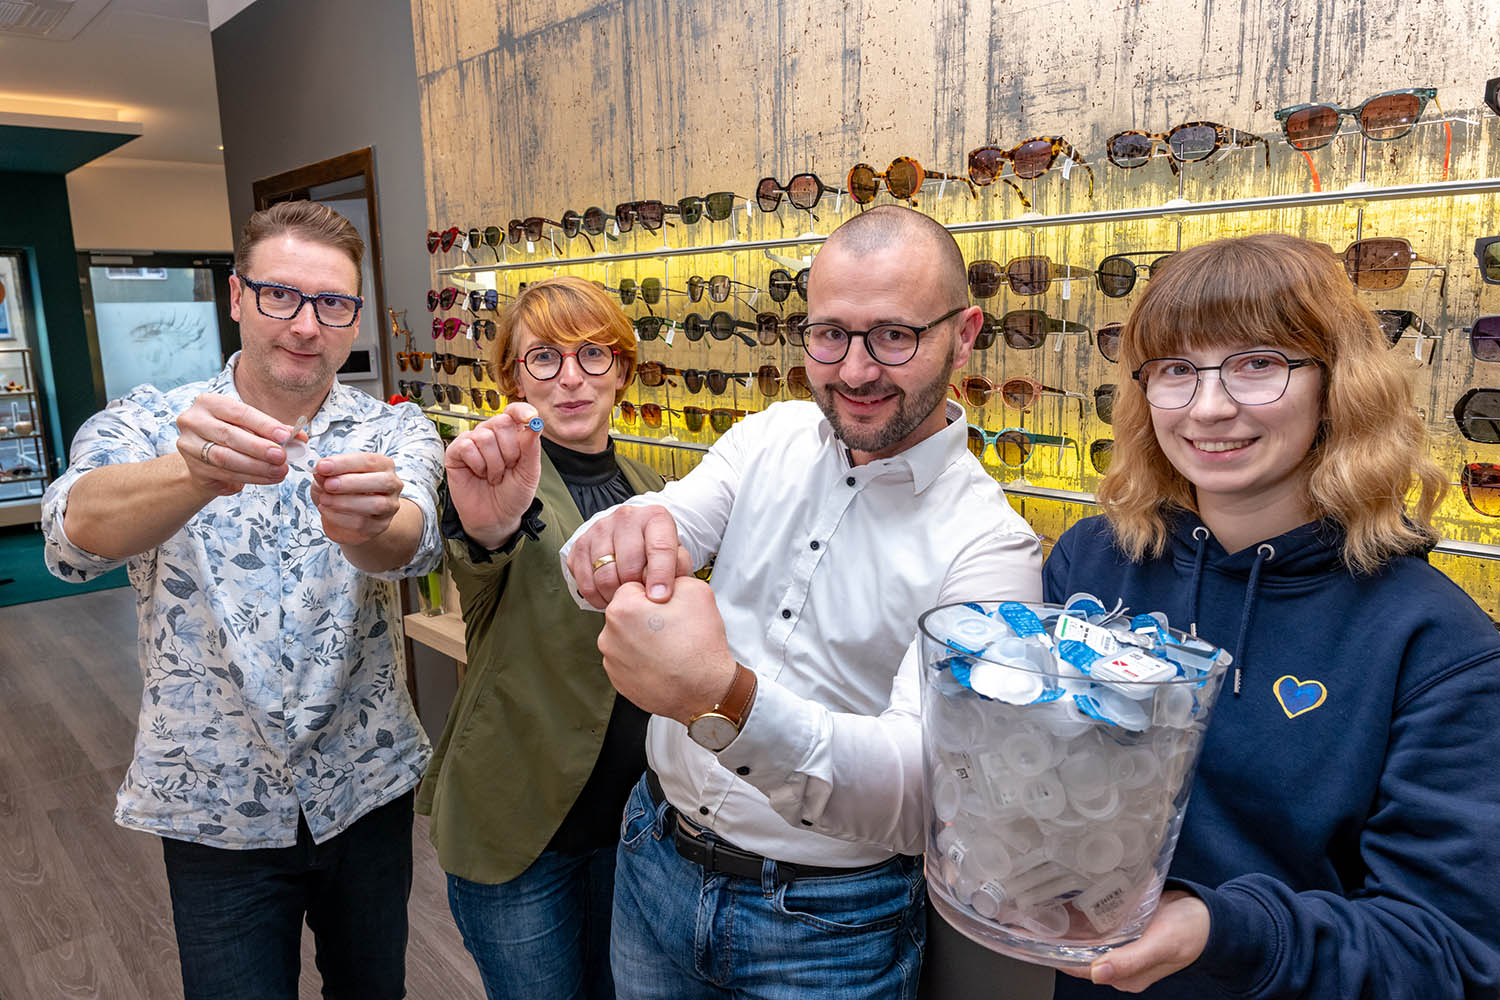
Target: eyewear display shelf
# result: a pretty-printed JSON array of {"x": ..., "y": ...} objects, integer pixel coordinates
[
  {"x": 1435, "y": 188},
  {"x": 24, "y": 461}
]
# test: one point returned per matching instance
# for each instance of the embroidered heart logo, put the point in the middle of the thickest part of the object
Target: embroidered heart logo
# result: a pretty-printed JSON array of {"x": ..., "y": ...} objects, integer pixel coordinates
[{"x": 1299, "y": 697}]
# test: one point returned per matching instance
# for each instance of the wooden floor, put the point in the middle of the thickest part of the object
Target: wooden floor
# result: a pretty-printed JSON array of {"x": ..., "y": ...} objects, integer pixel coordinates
[{"x": 84, "y": 910}]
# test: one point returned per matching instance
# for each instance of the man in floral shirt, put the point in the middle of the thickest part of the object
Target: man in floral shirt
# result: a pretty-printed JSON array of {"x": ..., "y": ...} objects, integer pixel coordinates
[{"x": 277, "y": 749}]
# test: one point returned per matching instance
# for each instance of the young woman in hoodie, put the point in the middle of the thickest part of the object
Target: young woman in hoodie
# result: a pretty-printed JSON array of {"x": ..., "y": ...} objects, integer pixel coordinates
[{"x": 1343, "y": 835}]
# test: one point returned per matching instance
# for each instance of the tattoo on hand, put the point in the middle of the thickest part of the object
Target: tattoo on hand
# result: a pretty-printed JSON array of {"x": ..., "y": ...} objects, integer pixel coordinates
[{"x": 656, "y": 623}]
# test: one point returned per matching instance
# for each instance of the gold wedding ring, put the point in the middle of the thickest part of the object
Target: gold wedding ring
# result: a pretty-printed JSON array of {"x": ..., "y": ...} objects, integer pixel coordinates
[
  {"x": 603, "y": 561},
  {"x": 203, "y": 452}
]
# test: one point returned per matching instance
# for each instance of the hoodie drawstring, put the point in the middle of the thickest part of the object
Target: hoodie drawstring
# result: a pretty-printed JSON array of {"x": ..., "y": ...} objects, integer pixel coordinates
[
  {"x": 1200, "y": 534},
  {"x": 1264, "y": 553}
]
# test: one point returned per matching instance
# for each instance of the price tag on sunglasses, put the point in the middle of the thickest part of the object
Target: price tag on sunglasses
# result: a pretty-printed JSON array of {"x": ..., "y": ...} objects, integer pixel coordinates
[
  {"x": 667, "y": 334},
  {"x": 1067, "y": 293},
  {"x": 1067, "y": 167}
]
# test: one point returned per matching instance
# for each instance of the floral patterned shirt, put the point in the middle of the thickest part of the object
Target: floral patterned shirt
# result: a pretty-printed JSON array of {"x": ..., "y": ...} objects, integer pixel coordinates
[{"x": 273, "y": 675}]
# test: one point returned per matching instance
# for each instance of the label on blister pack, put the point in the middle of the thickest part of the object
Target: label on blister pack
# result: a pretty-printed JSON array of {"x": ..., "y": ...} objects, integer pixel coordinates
[
  {"x": 1132, "y": 666},
  {"x": 1100, "y": 640}
]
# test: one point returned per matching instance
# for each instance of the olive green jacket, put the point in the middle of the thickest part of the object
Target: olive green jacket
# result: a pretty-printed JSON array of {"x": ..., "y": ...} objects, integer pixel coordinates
[{"x": 525, "y": 728}]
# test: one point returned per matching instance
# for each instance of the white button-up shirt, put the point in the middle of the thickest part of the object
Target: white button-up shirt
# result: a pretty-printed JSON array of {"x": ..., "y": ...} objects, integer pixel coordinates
[
  {"x": 822, "y": 570},
  {"x": 273, "y": 680}
]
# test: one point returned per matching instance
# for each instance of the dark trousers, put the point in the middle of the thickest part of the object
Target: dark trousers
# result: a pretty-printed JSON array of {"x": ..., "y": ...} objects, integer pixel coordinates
[{"x": 239, "y": 914}]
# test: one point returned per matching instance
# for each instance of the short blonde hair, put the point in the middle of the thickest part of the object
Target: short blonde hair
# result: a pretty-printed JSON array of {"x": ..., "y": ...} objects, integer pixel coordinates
[
  {"x": 306, "y": 220},
  {"x": 1288, "y": 293},
  {"x": 564, "y": 311}
]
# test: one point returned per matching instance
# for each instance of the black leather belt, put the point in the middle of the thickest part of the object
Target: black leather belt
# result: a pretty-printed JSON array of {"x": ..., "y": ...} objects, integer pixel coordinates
[{"x": 704, "y": 847}]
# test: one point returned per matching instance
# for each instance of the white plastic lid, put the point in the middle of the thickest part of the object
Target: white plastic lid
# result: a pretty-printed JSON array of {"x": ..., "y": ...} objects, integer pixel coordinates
[
  {"x": 1043, "y": 797},
  {"x": 1027, "y": 752},
  {"x": 1100, "y": 851},
  {"x": 1084, "y": 774},
  {"x": 1006, "y": 683}
]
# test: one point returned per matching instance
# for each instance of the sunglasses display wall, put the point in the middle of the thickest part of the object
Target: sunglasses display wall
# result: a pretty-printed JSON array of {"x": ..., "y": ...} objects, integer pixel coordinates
[{"x": 1060, "y": 236}]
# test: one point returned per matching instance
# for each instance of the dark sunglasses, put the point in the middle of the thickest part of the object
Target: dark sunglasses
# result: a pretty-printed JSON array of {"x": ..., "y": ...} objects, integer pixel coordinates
[
  {"x": 443, "y": 240},
  {"x": 1492, "y": 94},
  {"x": 771, "y": 329},
  {"x": 490, "y": 236},
  {"x": 482, "y": 328},
  {"x": 1382, "y": 118},
  {"x": 716, "y": 206},
  {"x": 1189, "y": 142},
  {"x": 650, "y": 214},
  {"x": 717, "y": 380},
  {"x": 572, "y": 226},
  {"x": 804, "y": 191},
  {"x": 1026, "y": 275},
  {"x": 719, "y": 286},
  {"x": 903, "y": 178},
  {"x": 451, "y": 363},
  {"x": 440, "y": 391},
  {"x": 1484, "y": 338},
  {"x": 719, "y": 418},
  {"x": 1022, "y": 329},
  {"x": 650, "y": 291},
  {"x": 1481, "y": 484},
  {"x": 484, "y": 398},
  {"x": 445, "y": 298},
  {"x": 1381, "y": 263},
  {"x": 721, "y": 326},
  {"x": 1104, "y": 402},
  {"x": 1107, "y": 339},
  {"x": 649, "y": 413},
  {"x": 649, "y": 327},
  {"x": 769, "y": 380},
  {"x": 1028, "y": 160},
  {"x": 1487, "y": 253},
  {"x": 654, "y": 373},
  {"x": 1477, "y": 414},
  {"x": 1116, "y": 274},
  {"x": 1101, "y": 453},
  {"x": 780, "y": 283},
  {"x": 1395, "y": 322},
  {"x": 487, "y": 298},
  {"x": 448, "y": 328},
  {"x": 530, "y": 229}
]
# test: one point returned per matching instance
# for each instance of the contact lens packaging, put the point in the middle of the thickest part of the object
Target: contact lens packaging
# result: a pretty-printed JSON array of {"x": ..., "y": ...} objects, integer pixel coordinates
[{"x": 1059, "y": 742}]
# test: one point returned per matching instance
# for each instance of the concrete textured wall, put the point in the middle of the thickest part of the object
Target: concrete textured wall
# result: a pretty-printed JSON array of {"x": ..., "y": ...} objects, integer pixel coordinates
[
  {"x": 531, "y": 110},
  {"x": 547, "y": 104}
]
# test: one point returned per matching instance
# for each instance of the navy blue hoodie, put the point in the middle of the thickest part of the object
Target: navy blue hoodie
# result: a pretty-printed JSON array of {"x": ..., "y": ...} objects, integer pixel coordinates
[{"x": 1344, "y": 824}]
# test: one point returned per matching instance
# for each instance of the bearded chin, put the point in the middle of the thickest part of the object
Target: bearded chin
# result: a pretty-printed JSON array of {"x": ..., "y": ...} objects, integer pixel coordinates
[{"x": 911, "y": 409}]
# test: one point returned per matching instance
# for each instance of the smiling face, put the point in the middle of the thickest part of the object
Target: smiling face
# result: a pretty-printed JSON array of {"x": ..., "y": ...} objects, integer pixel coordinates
[
  {"x": 881, "y": 410},
  {"x": 292, "y": 360},
  {"x": 575, "y": 406},
  {"x": 1249, "y": 463}
]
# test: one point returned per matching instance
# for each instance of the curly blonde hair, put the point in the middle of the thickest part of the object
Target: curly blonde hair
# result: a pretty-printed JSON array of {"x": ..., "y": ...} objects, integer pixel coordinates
[
  {"x": 1288, "y": 293},
  {"x": 565, "y": 311}
]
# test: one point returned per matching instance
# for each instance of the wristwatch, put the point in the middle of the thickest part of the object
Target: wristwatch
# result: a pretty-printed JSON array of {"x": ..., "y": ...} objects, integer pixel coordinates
[{"x": 716, "y": 729}]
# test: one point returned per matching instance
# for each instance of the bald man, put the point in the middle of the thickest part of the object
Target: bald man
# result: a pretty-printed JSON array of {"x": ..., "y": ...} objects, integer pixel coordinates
[{"x": 772, "y": 848}]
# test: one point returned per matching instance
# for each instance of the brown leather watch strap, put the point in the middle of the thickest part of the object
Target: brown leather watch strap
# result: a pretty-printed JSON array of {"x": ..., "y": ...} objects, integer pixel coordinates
[{"x": 735, "y": 704}]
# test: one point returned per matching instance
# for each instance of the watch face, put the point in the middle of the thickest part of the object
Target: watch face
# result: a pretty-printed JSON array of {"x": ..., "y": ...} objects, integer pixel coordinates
[{"x": 713, "y": 731}]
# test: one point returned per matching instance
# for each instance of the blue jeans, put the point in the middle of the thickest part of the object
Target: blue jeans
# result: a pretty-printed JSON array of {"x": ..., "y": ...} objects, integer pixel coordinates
[
  {"x": 238, "y": 914},
  {"x": 544, "y": 935},
  {"x": 682, "y": 934}
]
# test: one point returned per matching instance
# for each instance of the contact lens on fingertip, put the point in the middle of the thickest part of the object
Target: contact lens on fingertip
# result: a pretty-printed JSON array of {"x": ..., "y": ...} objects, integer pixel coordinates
[{"x": 535, "y": 423}]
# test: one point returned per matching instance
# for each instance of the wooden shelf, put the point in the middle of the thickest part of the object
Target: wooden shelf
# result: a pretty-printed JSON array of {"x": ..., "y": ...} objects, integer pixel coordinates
[{"x": 443, "y": 633}]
